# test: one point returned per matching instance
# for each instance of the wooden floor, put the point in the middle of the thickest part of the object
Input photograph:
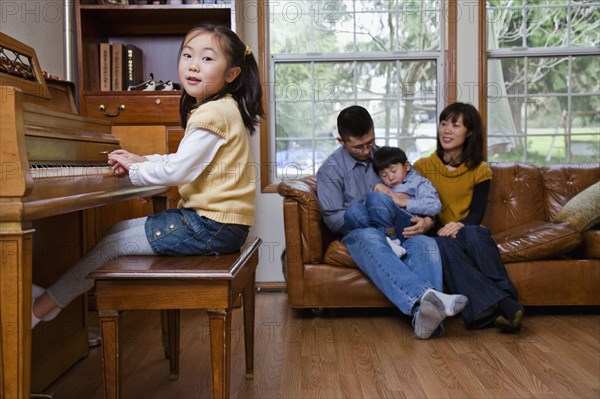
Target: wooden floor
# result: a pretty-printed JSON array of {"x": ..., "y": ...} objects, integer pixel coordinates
[{"x": 355, "y": 354}]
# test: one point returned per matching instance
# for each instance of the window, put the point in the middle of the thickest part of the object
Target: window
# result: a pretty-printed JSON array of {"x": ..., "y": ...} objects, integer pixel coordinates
[
  {"x": 326, "y": 55},
  {"x": 543, "y": 90}
]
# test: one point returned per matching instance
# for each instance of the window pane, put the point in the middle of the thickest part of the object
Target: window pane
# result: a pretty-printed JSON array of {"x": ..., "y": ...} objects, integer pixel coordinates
[
  {"x": 546, "y": 129},
  {"x": 585, "y": 24},
  {"x": 545, "y": 109},
  {"x": 585, "y": 129},
  {"x": 585, "y": 76},
  {"x": 505, "y": 23},
  {"x": 313, "y": 86},
  {"x": 547, "y": 26},
  {"x": 341, "y": 26},
  {"x": 299, "y": 27},
  {"x": 548, "y": 74}
]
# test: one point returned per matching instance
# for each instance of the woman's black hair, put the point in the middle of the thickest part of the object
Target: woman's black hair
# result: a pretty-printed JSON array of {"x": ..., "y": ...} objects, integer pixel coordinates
[
  {"x": 245, "y": 89},
  {"x": 472, "y": 153},
  {"x": 354, "y": 121},
  {"x": 386, "y": 156}
]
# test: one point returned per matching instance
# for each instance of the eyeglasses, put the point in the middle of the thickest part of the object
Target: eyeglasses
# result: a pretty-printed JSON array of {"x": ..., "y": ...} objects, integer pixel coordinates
[{"x": 360, "y": 148}]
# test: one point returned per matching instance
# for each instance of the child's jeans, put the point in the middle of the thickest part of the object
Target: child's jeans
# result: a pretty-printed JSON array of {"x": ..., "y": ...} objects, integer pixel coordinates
[{"x": 380, "y": 211}]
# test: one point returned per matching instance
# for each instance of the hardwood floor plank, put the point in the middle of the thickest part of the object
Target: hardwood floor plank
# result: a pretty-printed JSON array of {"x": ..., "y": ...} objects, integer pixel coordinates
[{"x": 354, "y": 354}]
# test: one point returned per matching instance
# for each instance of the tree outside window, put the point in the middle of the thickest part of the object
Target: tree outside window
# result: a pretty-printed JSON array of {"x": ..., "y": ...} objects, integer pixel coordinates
[{"x": 543, "y": 87}]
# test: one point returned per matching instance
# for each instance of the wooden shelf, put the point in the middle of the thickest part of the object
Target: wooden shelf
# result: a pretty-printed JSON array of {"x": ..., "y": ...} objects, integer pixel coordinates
[{"x": 158, "y": 31}]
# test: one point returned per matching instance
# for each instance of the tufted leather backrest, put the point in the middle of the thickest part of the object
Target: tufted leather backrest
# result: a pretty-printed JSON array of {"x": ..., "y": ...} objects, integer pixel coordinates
[
  {"x": 516, "y": 196},
  {"x": 521, "y": 192},
  {"x": 563, "y": 182}
]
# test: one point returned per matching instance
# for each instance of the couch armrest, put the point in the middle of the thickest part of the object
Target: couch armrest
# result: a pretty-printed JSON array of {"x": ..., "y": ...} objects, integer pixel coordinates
[
  {"x": 302, "y": 220},
  {"x": 537, "y": 240},
  {"x": 590, "y": 249}
]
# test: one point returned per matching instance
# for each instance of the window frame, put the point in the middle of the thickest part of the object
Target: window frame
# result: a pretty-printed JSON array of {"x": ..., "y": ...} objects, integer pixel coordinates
[
  {"x": 485, "y": 55},
  {"x": 446, "y": 73}
]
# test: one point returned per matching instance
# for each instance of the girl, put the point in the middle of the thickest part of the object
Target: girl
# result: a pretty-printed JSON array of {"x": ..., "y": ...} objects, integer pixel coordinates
[
  {"x": 213, "y": 167},
  {"x": 471, "y": 262}
]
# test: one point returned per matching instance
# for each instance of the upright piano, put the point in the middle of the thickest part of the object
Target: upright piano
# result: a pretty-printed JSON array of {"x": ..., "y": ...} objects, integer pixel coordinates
[{"x": 54, "y": 176}]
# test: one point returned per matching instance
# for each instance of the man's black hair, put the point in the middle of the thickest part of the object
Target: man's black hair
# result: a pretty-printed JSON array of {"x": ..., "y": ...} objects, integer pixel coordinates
[{"x": 354, "y": 121}]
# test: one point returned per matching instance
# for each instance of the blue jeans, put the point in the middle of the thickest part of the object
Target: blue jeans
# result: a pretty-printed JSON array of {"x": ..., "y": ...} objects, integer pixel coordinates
[
  {"x": 473, "y": 267},
  {"x": 380, "y": 211},
  {"x": 404, "y": 281},
  {"x": 181, "y": 232}
]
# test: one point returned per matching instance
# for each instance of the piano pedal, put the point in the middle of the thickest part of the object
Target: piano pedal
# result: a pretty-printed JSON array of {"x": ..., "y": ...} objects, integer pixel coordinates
[
  {"x": 94, "y": 337},
  {"x": 40, "y": 396}
]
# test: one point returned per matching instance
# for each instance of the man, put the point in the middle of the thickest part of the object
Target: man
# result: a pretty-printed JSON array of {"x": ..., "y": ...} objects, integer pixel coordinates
[{"x": 413, "y": 283}]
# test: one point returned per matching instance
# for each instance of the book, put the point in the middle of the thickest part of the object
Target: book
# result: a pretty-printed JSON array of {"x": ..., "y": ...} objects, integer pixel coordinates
[
  {"x": 118, "y": 69},
  {"x": 135, "y": 65},
  {"x": 92, "y": 65},
  {"x": 105, "y": 55}
]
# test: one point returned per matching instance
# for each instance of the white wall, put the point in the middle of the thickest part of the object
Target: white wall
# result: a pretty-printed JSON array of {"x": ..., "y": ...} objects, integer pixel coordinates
[
  {"x": 40, "y": 25},
  {"x": 467, "y": 57}
]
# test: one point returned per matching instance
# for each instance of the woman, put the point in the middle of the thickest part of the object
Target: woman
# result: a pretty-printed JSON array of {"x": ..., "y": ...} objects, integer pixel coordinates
[{"x": 471, "y": 262}]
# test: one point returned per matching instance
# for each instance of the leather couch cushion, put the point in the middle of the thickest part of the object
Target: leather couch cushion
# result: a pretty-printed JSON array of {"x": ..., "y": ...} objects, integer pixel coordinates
[
  {"x": 337, "y": 254},
  {"x": 537, "y": 240},
  {"x": 583, "y": 210}
]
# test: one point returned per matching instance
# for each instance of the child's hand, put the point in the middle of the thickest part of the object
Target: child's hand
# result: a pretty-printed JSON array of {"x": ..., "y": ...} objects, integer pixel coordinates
[
  {"x": 400, "y": 199},
  {"x": 382, "y": 188},
  {"x": 450, "y": 230},
  {"x": 122, "y": 159}
]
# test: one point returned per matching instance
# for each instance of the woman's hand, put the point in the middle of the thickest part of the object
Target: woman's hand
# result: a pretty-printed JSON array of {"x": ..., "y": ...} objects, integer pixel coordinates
[
  {"x": 450, "y": 230},
  {"x": 420, "y": 226},
  {"x": 122, "y": 159}
]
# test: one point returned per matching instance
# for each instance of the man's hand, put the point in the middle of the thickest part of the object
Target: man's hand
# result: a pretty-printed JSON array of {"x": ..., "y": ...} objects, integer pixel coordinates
[{"x": 420, "y": 226}]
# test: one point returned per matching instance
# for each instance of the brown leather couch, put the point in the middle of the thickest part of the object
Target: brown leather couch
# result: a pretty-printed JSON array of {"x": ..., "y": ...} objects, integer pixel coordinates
[{"x": 551, "y": 263}]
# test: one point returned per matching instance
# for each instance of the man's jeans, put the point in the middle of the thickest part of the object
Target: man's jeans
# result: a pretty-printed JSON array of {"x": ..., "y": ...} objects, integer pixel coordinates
[
  {"x": 404, "y": 281},
  {"x": 380, "y": 211}
]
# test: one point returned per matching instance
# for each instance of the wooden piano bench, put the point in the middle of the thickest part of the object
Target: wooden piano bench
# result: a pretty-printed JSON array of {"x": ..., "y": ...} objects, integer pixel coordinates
[{"x": 173, "y": 283}]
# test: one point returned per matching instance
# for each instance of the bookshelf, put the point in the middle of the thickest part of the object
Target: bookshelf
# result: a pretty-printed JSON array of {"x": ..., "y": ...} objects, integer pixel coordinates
[{"x": 157, "y": 30}]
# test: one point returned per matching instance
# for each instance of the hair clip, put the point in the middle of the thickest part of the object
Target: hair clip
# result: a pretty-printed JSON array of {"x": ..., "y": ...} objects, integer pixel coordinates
[{"x": 248, "y": 50}]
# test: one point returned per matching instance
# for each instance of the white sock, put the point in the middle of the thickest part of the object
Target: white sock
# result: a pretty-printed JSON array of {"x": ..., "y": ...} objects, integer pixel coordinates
[
  {"x": 36, "y": 291},
  {"x": 450, "y": 304},
  {"x": 34, "y": 320},
  {"x": 52, "y": 314},
  {"x": 427, "y": 320},
  {"x": 396, "y": 247}
]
